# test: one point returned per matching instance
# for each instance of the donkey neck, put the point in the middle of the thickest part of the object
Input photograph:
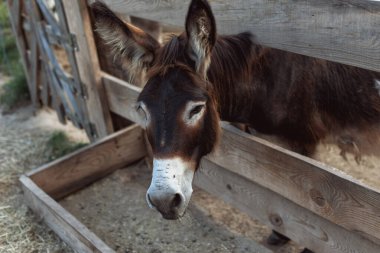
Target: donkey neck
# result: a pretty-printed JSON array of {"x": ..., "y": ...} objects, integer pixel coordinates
[{"x": 231, "y": 74}]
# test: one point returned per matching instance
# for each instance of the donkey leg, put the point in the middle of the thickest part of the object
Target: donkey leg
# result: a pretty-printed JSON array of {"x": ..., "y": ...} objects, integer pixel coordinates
[
  {"x": 277, "y": 239},
  {"x": 306, "y": 250},
  {"x": 241, "y": 126}
]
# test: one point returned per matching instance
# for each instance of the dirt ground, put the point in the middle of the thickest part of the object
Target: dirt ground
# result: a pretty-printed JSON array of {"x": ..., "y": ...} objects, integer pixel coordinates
[
  {"x": 23, "y": 137},
  {"x": 124, "y": 222},
  {"x": 115, "y": 209},
  {"x": 210, "y": 225}
]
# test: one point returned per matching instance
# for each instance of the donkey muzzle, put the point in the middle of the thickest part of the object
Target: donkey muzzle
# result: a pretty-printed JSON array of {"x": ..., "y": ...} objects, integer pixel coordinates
[
  {"x": 171, "y": 206},
  {"x": 171, "y": 188}
]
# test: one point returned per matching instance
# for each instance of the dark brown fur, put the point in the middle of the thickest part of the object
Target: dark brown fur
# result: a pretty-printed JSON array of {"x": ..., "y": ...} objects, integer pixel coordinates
[{"x": 298, "y": 98}]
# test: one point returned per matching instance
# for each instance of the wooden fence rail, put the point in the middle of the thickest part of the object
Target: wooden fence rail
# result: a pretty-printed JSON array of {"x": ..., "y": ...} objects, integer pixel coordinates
[
  {"x": 40, "y": 35},
  {"x": 343, "y": 31},
  {"x": 313, "y": 204}
]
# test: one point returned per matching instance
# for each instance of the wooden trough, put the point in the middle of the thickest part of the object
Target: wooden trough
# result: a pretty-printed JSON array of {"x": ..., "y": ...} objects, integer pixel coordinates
[
  {"x": 55, "y": 180},
  {"x": 313, "y": 204}
]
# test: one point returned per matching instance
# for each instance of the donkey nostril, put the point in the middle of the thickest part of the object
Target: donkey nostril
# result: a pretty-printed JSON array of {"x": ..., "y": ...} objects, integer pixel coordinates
[
  {"x": 177, "y": 200},
  {"x": 150, "y": 202}
]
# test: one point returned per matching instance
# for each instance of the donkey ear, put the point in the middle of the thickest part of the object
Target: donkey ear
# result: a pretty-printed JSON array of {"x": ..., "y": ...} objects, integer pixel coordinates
[
  {"x": 201, "y": 34},
  {"x": 135, "y": 48}
]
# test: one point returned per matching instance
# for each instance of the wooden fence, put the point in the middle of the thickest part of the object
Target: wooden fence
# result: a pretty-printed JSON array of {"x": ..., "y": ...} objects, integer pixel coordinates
[
  {"x": 313, "y": 204},
  {"x": 42, "y": 36}
]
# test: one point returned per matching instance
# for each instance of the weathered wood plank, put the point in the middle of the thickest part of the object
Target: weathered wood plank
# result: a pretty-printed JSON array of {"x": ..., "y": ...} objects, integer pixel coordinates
[
  {"x": 343, "y": 31},
  {"x": 35, "y": 68},
  {"x": 86, "y": 165},
  {"x": 88, "y": 65},
  {"x": 45, "y": 92},
  {"x": 58, "y": 108},
  {"x": 33, "y": 71},
  {"x": 58, "y": 80},
  {"x": 56, "y": 101},
  {"x": 15, "y": 8},
  {"x": 279, "y": 213},
  {"x": 65, "y": 38},
  {"x": 315, "y": 186},
  {"x": 60, "y": 221},
  {"x": 121, "y": 95},
  {"x": 47, "y": 14}
]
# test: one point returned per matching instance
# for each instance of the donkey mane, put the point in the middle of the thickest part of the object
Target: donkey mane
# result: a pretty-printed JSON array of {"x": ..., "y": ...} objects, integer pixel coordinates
[
  {"x": 230, "y": 69},
  {"x": 231, "y": 62},
  {"x": 229, "y": 53},
  {"x": 266, "y": 88},
  {"x": 169, "y": 56}
]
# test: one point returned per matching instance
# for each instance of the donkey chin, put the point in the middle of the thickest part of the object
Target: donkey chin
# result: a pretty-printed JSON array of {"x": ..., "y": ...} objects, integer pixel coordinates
[{"x": 171, "y": 186}]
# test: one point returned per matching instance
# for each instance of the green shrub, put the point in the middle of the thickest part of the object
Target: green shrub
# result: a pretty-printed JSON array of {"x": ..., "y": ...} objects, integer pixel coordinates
[
  {"x": 9, "y": 56},
  {"x": 15, "y": 91},
  {"x": 59, "y": 145}
]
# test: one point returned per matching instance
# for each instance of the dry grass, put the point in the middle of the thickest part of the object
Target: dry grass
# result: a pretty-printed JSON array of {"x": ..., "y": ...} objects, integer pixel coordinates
[
  {"x": 23, "y": 146},
  {"x": 20, "y": 230}
]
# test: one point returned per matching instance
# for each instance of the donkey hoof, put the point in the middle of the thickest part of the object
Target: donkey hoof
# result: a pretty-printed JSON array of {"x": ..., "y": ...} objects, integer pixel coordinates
[
  {"x": 307, "y": 251},
  {"x": 277, "y": 239}
]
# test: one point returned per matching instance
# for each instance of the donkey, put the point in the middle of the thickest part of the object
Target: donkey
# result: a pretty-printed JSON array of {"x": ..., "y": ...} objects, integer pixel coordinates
[{"x": 199, "y": 78}]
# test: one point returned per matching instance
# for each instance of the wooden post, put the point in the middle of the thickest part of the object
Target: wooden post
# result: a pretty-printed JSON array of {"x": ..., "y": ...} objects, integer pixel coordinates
[
  {"x": 29, "y": 59},
  {"x": 78, "y": 20}
]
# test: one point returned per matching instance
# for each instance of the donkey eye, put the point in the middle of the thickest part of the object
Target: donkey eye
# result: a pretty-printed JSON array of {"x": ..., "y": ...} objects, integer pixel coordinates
[
  {"x": 197, "y": 109},
  {"x": 141, "y": 111}
]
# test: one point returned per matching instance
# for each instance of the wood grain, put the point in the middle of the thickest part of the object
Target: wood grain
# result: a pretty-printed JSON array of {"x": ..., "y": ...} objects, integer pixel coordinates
[
  {"x": 45, "y": 89},
  {"x": 321, "y": 189},
  {"x": 56, "y": 101},
  {"x": 279, "y": 213},
  {"x": 72, "y": 80},
  {"x": 121, "y": 95},
  {"x": 308, "y": 183},
  {"x": 60, "y": 221},
  {"x": 73, "y": 172},
  {"x": 342, "y": 31},
  {"x": 88, "y": 65},
  {"x": 35, "y": 68},
  {"x": 34, "y": 72},
  {"x": 16, "y": 10}
]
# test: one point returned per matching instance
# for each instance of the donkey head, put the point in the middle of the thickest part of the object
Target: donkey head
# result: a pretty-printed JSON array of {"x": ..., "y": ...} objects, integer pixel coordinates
[{"x": 177, "y": 104}]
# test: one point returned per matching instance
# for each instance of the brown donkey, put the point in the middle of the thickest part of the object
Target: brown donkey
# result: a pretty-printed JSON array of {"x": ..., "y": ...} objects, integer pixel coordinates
[{"x": 198, "y": 78}]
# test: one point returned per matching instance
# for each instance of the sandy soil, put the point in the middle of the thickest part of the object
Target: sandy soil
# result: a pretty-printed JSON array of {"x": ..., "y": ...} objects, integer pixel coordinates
[
  {"x": 23, "y": 137},
  {"x": 115, "y": 209},
  {"x": 128, "y": 225}
]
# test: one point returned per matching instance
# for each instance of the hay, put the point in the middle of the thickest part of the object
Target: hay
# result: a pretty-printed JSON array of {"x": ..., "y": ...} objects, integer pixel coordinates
[
  {"x": 20, "y": 230},
  {"x": 22, "y": 148}
]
